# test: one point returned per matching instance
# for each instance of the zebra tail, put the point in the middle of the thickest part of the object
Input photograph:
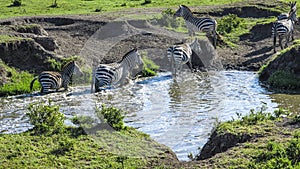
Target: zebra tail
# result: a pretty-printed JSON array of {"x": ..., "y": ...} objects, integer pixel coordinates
[{"x": 32, "y": 82}]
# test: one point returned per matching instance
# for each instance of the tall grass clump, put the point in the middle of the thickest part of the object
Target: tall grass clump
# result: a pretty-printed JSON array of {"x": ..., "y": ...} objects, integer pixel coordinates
[
  {"x": 150, "y": 68},
  {"x": 167, "y": 20},
  {"x": 112, "y": 116},
  {"x": 46, "y": 118}
]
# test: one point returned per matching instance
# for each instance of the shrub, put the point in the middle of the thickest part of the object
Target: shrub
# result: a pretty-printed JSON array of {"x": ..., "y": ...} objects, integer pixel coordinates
[
  {"x": 16, "y": 2},
  {"x": 150, "y": 67},
  {"x": 229, "y": 23},
  {"x": 46, "y": 118},
  {"x": 146, "y": 2},
  {"x": 113, "y": 116},
  {"x": 283, "y": 79}
]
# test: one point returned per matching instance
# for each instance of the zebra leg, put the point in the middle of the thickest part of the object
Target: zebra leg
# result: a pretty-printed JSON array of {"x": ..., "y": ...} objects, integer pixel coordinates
[
  {"x": 189, "y": 63},
  {"x": 287, "y": 39},
  {"x": 215, "y": 39},
  {"x": 280, "y": 42}
]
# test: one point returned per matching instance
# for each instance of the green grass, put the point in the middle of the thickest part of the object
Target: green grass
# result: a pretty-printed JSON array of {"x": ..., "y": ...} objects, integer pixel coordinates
[
  {"x": 40, "y": 7},
  {"x": 70, "y": 147},
  {"x": 8, "y": 39},
  {"x": 18, "y": 82}
]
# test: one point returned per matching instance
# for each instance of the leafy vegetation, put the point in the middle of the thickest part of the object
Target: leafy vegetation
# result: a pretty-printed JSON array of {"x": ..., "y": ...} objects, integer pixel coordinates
[
  {"x": 17, "y": 82},
  {"x": 46, "y": 118},
  {"x": 44, "y": 146},
  {"x": 113, "y": 116},
  {"x": 283, "y": 79},
  {"x": 150, "y": 68},
  {"x": 59, "y": 7}
]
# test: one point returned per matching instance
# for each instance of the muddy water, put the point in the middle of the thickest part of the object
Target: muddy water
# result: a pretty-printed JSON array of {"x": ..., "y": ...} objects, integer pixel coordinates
[{"x": 179, "y": 113}]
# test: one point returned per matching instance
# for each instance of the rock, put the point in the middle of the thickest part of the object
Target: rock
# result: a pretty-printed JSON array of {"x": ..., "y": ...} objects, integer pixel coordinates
[{"x": 218, "y": 143}]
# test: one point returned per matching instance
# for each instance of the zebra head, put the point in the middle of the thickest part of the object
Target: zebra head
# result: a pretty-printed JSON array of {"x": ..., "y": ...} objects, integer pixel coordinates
[
  {"x": 182, "y": 11},
  {"x": 133, "y": 62},
  {"x": 71, "y": 68},
  {"x": 293, "y": 12}
]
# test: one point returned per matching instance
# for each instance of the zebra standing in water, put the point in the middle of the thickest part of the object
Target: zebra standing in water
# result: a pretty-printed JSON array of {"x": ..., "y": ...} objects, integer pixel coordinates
[
  {"x": 178, "y": 55},
  {"x": 117, "y": 73},
  {"x": 284, "y": 28},
  {"x": 56, "y": 80},
  {"x": 207, "y": 25}
]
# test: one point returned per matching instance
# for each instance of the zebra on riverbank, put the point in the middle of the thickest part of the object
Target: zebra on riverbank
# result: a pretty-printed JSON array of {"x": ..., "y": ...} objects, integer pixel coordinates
[
  {"x": 284, "y": 28},
  {"x": 178, "y": 55},
  {"x": 207, "y": 25},
  {"x": 116, "y": 74},
  {"x": 51, "y": 80}
]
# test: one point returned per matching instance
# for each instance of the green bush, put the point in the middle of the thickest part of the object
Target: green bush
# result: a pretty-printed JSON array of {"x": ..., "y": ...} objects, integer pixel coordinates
[
  {"x": 46, "y": 118},
  {"x": 229, "y": 23},
  {"x": 150, "y": 67},
  {"x": 16, "y": 2},
  {"x": 113, "y": 116},
  {"x": 283, "y": 79}
]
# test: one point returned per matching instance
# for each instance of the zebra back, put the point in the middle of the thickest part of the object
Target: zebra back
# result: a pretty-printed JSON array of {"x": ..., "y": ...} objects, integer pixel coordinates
[
  {"x": 50, "y": 80},
  {"x": 178, "y": 55}
]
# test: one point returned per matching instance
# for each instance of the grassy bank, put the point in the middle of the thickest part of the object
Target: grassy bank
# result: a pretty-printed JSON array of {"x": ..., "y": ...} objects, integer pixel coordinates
[
  {"x": 16, "y": 81},
  {"x": 50, "y": 144},
  {"x": 62, "y": 7},
  {"x": 272, "y": 141}
]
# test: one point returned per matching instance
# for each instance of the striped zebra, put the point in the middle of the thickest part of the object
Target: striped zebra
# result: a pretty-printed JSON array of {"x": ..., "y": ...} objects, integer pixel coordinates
[
  {"x": 51, "y": 80},
  {"x": 116, "y": 74},
  {"x": 284, "y": 28},
  {"x": 178, "y": 55},
  {"x": 207, "y": 25}
]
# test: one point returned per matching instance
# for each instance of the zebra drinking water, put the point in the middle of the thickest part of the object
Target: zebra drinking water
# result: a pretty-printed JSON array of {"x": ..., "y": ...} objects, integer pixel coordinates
[
  {"x": 284, "y": 28},
  {"x": 207, "y": 25},
  {"x": 116, "y": 74},
  {"x": 178, "y": 55},
  {"x": 56, "y": 80}
]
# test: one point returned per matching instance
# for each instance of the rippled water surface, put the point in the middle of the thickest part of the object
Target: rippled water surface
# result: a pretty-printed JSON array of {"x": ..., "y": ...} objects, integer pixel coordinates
[{"x": 179, "y": 113}]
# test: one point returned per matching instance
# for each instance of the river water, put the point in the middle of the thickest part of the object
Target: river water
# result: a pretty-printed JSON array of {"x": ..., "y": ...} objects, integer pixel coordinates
[{"x": 179, "y": 113}]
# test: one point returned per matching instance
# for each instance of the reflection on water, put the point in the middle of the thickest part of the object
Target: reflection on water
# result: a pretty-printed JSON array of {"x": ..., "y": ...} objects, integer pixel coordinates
[{"x": 179, "y": 114}]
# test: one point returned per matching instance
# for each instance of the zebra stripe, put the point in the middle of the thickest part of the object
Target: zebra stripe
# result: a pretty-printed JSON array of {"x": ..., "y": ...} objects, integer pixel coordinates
[
  {"x": 284, "y": 26},
  {"x": 179, "y": 55},
  {"x": 51, "y": 80},
  {"x": 207, "y": 25},
  {"x": 115, "y": 74}
]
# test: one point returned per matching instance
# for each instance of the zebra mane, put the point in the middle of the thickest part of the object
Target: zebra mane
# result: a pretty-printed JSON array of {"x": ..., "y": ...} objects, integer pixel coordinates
[
  {"x": 68, "y": 64},
  {"x": 127, "y": 54},
  {"x": 186, "y": 8}
]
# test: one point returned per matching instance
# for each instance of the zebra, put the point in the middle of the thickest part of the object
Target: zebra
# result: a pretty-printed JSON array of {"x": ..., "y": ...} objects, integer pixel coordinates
[
  {"x": 207, "y": 25},
  {"x": 116, "y": 74},
  {"x": 51, "y": 80},
  {"x": 284, "y": 28},
  {"x": 178, "y": 55}
]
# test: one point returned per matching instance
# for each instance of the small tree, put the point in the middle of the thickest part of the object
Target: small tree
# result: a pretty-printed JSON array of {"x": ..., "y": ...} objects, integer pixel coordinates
[
  {"x": 54, "y": 4},
  {"x": 16, "y": 2}
]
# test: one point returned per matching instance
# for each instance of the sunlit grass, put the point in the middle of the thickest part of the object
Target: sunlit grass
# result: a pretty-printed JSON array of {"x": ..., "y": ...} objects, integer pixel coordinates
[{"x": 40, "y": 7}]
